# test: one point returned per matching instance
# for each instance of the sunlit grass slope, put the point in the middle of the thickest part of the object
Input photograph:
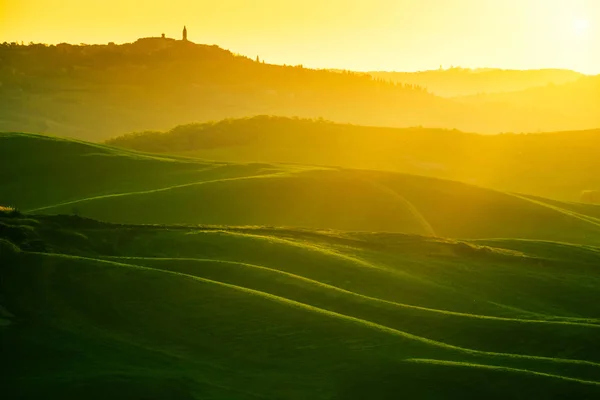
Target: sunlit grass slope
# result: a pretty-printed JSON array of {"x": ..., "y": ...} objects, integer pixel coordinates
[
  {"x": 556, "y": 165},
  {"x": 95, "y": 310},
  {"x": 38, "y": 170},
  {"x": 63, "y": 176}
]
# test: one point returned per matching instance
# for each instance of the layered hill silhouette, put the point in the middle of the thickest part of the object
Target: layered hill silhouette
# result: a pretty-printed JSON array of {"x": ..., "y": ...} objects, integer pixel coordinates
[
  {"x": 558, "y": 165},
  {"x": 152, "y": 312},
  {"x": 578, "y": 99},
  {"x": 94, "y": 92},
  {"x": 456, "y": 81},
  {"x": 62, "y": 176}
]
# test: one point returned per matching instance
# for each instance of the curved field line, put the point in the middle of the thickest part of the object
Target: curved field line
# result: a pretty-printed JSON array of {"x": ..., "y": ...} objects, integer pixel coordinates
[
  {"x": 498, "y": 368},
  {"x": 330, "y": 252},
  {"x": 581, "y": 217},
  {"x": 359, "y": 295},
  {"x": 310, "y": 247},
  {"x": 163, "y": 189},
  {"x": 577, "y": 320},
  {"x": 335, "y": 315},
  {"x": 413, "y": 210}
]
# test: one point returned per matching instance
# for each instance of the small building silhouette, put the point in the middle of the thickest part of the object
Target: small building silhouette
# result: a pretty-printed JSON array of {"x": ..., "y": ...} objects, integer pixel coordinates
[{"x": 184, "y": 34}]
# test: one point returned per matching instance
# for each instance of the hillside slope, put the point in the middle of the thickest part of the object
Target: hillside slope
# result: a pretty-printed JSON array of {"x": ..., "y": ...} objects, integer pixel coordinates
[
  {"x": 139, "y": 188},
  {"x": 139, "y": 312},
  {"x": 557, "y": 165}
]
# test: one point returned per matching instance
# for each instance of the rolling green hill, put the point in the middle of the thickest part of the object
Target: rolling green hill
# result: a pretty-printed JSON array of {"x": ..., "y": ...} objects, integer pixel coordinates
[
  {"x": 557, "y": 165},
  {"x": 220, "y": 280},
  {"x": 113, "y": 185},
  {"x": 97, "y": 310}
]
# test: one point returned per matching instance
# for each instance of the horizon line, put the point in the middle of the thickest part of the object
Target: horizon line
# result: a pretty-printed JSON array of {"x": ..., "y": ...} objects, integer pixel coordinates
[{"x": 308, "y": 66}]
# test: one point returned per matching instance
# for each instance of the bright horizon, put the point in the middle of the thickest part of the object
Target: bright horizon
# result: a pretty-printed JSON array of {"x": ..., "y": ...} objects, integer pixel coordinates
[{"x": 390, "y": 35}]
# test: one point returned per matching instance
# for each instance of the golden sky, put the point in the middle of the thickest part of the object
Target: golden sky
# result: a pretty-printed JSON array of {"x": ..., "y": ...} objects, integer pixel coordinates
[{"x": 402, "y": 35}]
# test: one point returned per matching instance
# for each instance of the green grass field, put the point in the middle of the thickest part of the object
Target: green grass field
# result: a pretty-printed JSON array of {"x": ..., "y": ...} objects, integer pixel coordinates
[
  {"x": 143, "y": 312},
  {"x": 121, "y": 186},
  {"x": 557, "y": 165},
  {"x": 188, "y": 279}
]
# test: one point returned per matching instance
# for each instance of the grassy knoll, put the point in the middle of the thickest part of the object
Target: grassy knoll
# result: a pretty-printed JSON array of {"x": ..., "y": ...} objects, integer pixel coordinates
[
  {"x": 121, "y": 186},
  {"x": 38, "y": 170},
  {"x": 148, "y": 312},
  {"x": 557, "y": 165}
]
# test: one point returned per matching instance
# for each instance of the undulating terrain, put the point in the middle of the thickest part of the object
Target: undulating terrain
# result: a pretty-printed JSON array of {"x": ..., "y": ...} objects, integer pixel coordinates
[
  {"x": 139, "y": 276},
  {"x": 115, "y": 185},
  {"x": 559, "y": 165},
  {"x": 97, "y": 310},
  {"x": 94, "y": 92},
  {"x": 309, "y": 209}
]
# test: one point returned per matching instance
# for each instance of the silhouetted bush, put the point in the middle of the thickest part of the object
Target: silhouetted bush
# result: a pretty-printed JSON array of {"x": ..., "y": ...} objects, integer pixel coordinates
[{"x": 9, "y": 212}]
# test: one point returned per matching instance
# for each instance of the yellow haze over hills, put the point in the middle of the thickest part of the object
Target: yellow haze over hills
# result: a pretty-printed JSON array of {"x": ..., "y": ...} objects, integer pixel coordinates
[
  {"x": 375, "y": 35},
  {"x": 557, "y": 165},
  {"x": 95, "y": 92}
]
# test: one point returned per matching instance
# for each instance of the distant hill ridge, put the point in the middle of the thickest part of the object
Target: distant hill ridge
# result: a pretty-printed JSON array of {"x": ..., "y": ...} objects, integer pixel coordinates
[
  {"x": 559, "y": 165},
  {"x": 456, "y": 81},
  {"x": 94, "y": 92}
]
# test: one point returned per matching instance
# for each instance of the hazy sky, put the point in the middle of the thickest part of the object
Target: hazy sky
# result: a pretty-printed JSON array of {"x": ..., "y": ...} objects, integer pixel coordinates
[{"x": 398, "y": 35}]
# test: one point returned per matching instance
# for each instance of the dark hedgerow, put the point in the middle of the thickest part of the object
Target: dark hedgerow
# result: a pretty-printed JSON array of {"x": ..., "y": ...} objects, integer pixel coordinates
[{"x": 10, "y": 212}]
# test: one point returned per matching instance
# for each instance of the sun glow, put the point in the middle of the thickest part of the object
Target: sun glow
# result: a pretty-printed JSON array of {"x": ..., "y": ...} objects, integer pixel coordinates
[{"x": 581, "y": 27}]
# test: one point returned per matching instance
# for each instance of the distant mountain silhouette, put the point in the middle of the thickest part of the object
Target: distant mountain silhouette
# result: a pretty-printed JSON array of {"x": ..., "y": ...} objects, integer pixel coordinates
[
  {"x": 579, "y": 99},
  {"x": 464, "y": 81}
]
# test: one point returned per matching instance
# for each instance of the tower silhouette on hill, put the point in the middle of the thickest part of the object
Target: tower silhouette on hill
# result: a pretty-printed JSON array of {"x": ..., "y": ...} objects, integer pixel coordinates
[{"x": 184, "y": 38}]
